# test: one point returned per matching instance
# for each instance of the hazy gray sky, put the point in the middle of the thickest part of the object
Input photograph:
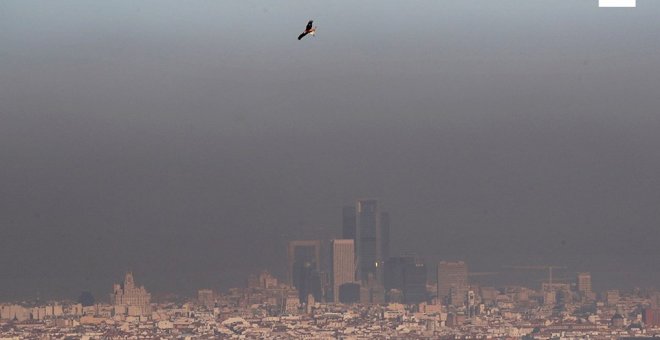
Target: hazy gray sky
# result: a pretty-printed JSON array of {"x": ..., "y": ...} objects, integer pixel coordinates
[{"x": 190, "y": 140}]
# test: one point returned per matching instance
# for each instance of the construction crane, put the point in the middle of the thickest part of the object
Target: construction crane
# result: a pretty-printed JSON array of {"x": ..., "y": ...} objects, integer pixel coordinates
[{"x": 538, "y": 267}]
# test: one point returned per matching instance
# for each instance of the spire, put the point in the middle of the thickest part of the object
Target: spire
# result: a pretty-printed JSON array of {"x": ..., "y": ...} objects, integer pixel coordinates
[{"x": 128, "y": 281}]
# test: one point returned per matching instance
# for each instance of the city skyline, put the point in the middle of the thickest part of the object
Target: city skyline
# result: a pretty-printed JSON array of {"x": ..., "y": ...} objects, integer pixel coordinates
[
  {"x": 313, "y": 252},
  {"x": 305, "y": 265}
]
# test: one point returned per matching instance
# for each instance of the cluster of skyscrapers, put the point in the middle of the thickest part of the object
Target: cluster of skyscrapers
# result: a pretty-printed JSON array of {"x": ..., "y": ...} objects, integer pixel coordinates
[
  {"x": 345, "y": 266},
  {"x": 358, "y": 267}
]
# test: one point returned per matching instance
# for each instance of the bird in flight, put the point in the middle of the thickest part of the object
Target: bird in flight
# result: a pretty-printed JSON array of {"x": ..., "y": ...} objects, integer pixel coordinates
[{"x": 308, "y": 30}]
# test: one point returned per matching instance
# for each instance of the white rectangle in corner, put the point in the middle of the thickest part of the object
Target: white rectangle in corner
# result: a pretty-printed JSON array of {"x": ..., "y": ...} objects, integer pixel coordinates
[{"x": 617, "y": 3}]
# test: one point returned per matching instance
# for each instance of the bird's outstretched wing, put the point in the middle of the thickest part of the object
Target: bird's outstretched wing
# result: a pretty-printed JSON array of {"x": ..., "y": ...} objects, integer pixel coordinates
[
  {"x": 309, "y": 25},
  {"x": 302, "y": 35}
]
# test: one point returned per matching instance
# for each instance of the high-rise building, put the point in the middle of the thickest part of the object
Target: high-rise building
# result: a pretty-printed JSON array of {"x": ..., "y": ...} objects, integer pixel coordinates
[
  {"x": 414, "y": 283},
  {"x": 130, "y": 299},
  {"x": 304, "y": 257},
  {"x": 266, "y": 280},
  {"x": 584, "y": 284},
  {"x": 206, "y": 297},
  {"x": 367, "y": 233},
  {"x": 343, "y": 264},
  {"x": 384, "y": 236},
  {"x": 372, "y": 239},
  {"x": 612, "y": 297},
  {"x": 348, "y": 229},
  {"x": 349, "y": 293},
  {"x": 16, "y": 312},
  {"x": 393, "y": 272},
  {"x": 651, "y": 317},
  {"x": 452, "y": 282},
  {"x": 253, "y": 281},
  {"x": 406, "y": 274}
]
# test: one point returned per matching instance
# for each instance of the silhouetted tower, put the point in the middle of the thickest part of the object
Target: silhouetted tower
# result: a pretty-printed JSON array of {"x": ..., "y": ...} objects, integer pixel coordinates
[
  {"x": 372, "y": 238},
  {"x": 349, "y": 220},
  {"x": 368, "y": 247},
  {"x": 414, "y": 282},
  {"x": 384, "y": 236},
  {"x": 304, "y": 257}
]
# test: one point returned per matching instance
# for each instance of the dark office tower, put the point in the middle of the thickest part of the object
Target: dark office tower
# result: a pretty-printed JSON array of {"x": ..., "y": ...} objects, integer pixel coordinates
[
  {"x": 414, "y": 283},
  {"x": 349, "y": 220},
  {"x": 384, "y": 236},
  {"x": 408, "y": 275},
  {"x": 394, "y": 272},
  {"x": 303, "y": 268},
  {"x": 368, "y": 248},
  {"x": 349, "y": 293}
]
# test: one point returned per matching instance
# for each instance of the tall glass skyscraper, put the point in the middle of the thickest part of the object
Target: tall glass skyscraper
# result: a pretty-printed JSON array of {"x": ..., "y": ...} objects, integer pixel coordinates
[
  {"x": 348, "y": 230},
  {"x": 368, "y": 237}
]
